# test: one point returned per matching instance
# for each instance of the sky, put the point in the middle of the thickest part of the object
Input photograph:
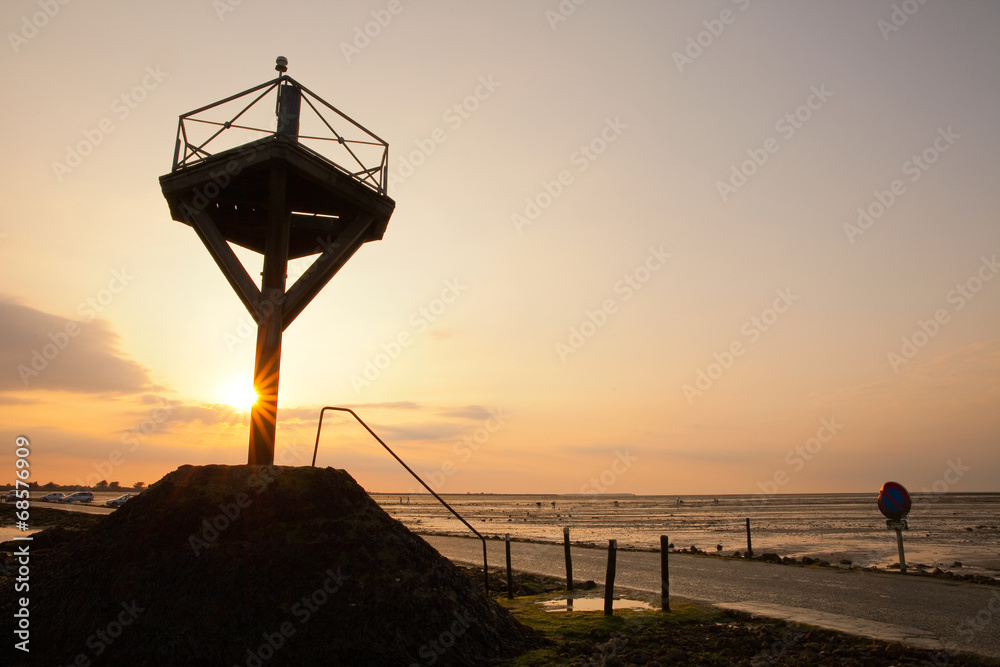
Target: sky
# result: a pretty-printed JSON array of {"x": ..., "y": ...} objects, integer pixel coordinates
[{"x": 686, "y": 247}]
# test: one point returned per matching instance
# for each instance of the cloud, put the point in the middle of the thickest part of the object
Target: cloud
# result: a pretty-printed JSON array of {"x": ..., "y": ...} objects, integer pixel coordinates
[
  {"x": 39, "y": 351},
  {"x": 14, "y": 400},
  {"x": 962, "y": 378},
  {"x": 429, "y": 431},
  {"x": 474, "y": 412},
  {"x": 390, "y": 405}
]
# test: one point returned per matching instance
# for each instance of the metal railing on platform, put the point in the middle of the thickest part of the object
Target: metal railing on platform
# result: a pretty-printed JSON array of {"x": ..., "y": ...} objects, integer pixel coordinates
[
  {"x": 319, "y": 427},
  {"x": 363, "y": 154}
]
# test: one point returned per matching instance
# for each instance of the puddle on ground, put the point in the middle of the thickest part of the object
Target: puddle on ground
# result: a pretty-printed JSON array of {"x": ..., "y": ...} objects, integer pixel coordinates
[{"x": 591, "y": 604}]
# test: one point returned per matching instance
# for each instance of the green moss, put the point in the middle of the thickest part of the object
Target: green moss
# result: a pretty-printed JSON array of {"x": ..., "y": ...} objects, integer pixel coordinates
[{"x": 575, "y": 634}]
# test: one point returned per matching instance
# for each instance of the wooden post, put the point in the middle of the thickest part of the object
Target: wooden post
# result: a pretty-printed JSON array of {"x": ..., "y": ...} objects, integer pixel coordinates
[
  {"x": 264, "y": 413},
  {"x": 609, "y": 581},
  {"x": 664, "y": 573},
  {"x": 569, "y": 560},
  {"x": 749, "y": 543},
  {"x": 510, "y": 575}
]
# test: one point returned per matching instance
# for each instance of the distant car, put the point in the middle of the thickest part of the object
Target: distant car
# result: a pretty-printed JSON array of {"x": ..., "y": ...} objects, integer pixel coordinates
[
  {"x": 53, "y": 497},
  {"x": 78, "y": 497},
  {"x": 10, "y": 496},
  {"x": 120, "y": 500}
]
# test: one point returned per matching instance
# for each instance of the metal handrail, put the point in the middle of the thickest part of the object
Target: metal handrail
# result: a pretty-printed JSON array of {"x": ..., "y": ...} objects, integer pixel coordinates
[
  {"x": 319, "y": 427},
  {"x": 188, "y": 153}
]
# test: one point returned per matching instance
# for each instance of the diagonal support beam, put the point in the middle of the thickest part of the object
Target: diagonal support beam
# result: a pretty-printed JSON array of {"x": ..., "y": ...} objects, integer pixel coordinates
[
  {"x": 326, "y": 266},
  {"x": 232, "y": 268}
]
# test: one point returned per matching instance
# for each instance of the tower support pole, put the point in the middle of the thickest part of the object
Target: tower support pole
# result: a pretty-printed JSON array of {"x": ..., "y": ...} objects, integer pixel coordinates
[{"x": 263, "y": 416}]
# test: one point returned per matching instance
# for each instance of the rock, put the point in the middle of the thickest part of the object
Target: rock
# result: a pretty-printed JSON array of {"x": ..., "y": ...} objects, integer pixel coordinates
[
  {"x": 46, "y": 539},
  {"x": 770, "y": 558},
  {"x": 718, "y": 547},
  {"x": 530, "y": 588},
  {"x": 806, "y": 560},
  {"x": 737, "y": 554},
  {"x": 674, "y": 655},
  {"x": 846, "y": 561},
  {"x": 788, "y": 560},
  {"x": 599, "y": 634},
  {"x": 212, "y": 560},
  {"x": 895, "y": 650},
  {"x": 587, "y": 585},
  {"x": 807, "y": 656},
  {"x": 957, "y": 564}
]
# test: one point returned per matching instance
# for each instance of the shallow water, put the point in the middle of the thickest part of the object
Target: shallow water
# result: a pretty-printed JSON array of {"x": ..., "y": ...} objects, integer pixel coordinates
[
  {"x": 943, "y": 528},
  {"x": 591, "y": 604}
]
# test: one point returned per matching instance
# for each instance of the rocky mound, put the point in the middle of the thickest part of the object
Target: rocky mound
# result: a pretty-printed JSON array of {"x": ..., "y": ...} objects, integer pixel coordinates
[{"x": 247, "y": 565}]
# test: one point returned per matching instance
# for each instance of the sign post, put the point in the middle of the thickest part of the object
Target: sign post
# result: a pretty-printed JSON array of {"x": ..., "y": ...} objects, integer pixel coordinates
[{"x": 894, "y": 503}]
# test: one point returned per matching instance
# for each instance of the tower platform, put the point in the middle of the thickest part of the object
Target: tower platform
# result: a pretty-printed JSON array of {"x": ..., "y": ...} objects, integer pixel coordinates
[{"x": 231, "y": 187}]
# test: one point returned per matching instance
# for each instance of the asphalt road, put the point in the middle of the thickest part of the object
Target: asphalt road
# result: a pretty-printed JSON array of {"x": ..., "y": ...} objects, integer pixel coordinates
[
  {"x": 84, "y": 508},
  {"x": 962, "y": 616}
]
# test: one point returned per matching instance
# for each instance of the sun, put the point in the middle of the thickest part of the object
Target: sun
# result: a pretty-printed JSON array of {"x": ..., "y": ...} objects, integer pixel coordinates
[{"x": 238, "y": 393}]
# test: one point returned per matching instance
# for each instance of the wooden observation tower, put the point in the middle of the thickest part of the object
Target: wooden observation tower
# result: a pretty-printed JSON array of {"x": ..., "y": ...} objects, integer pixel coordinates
[{"x": 294, "y": 179}]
